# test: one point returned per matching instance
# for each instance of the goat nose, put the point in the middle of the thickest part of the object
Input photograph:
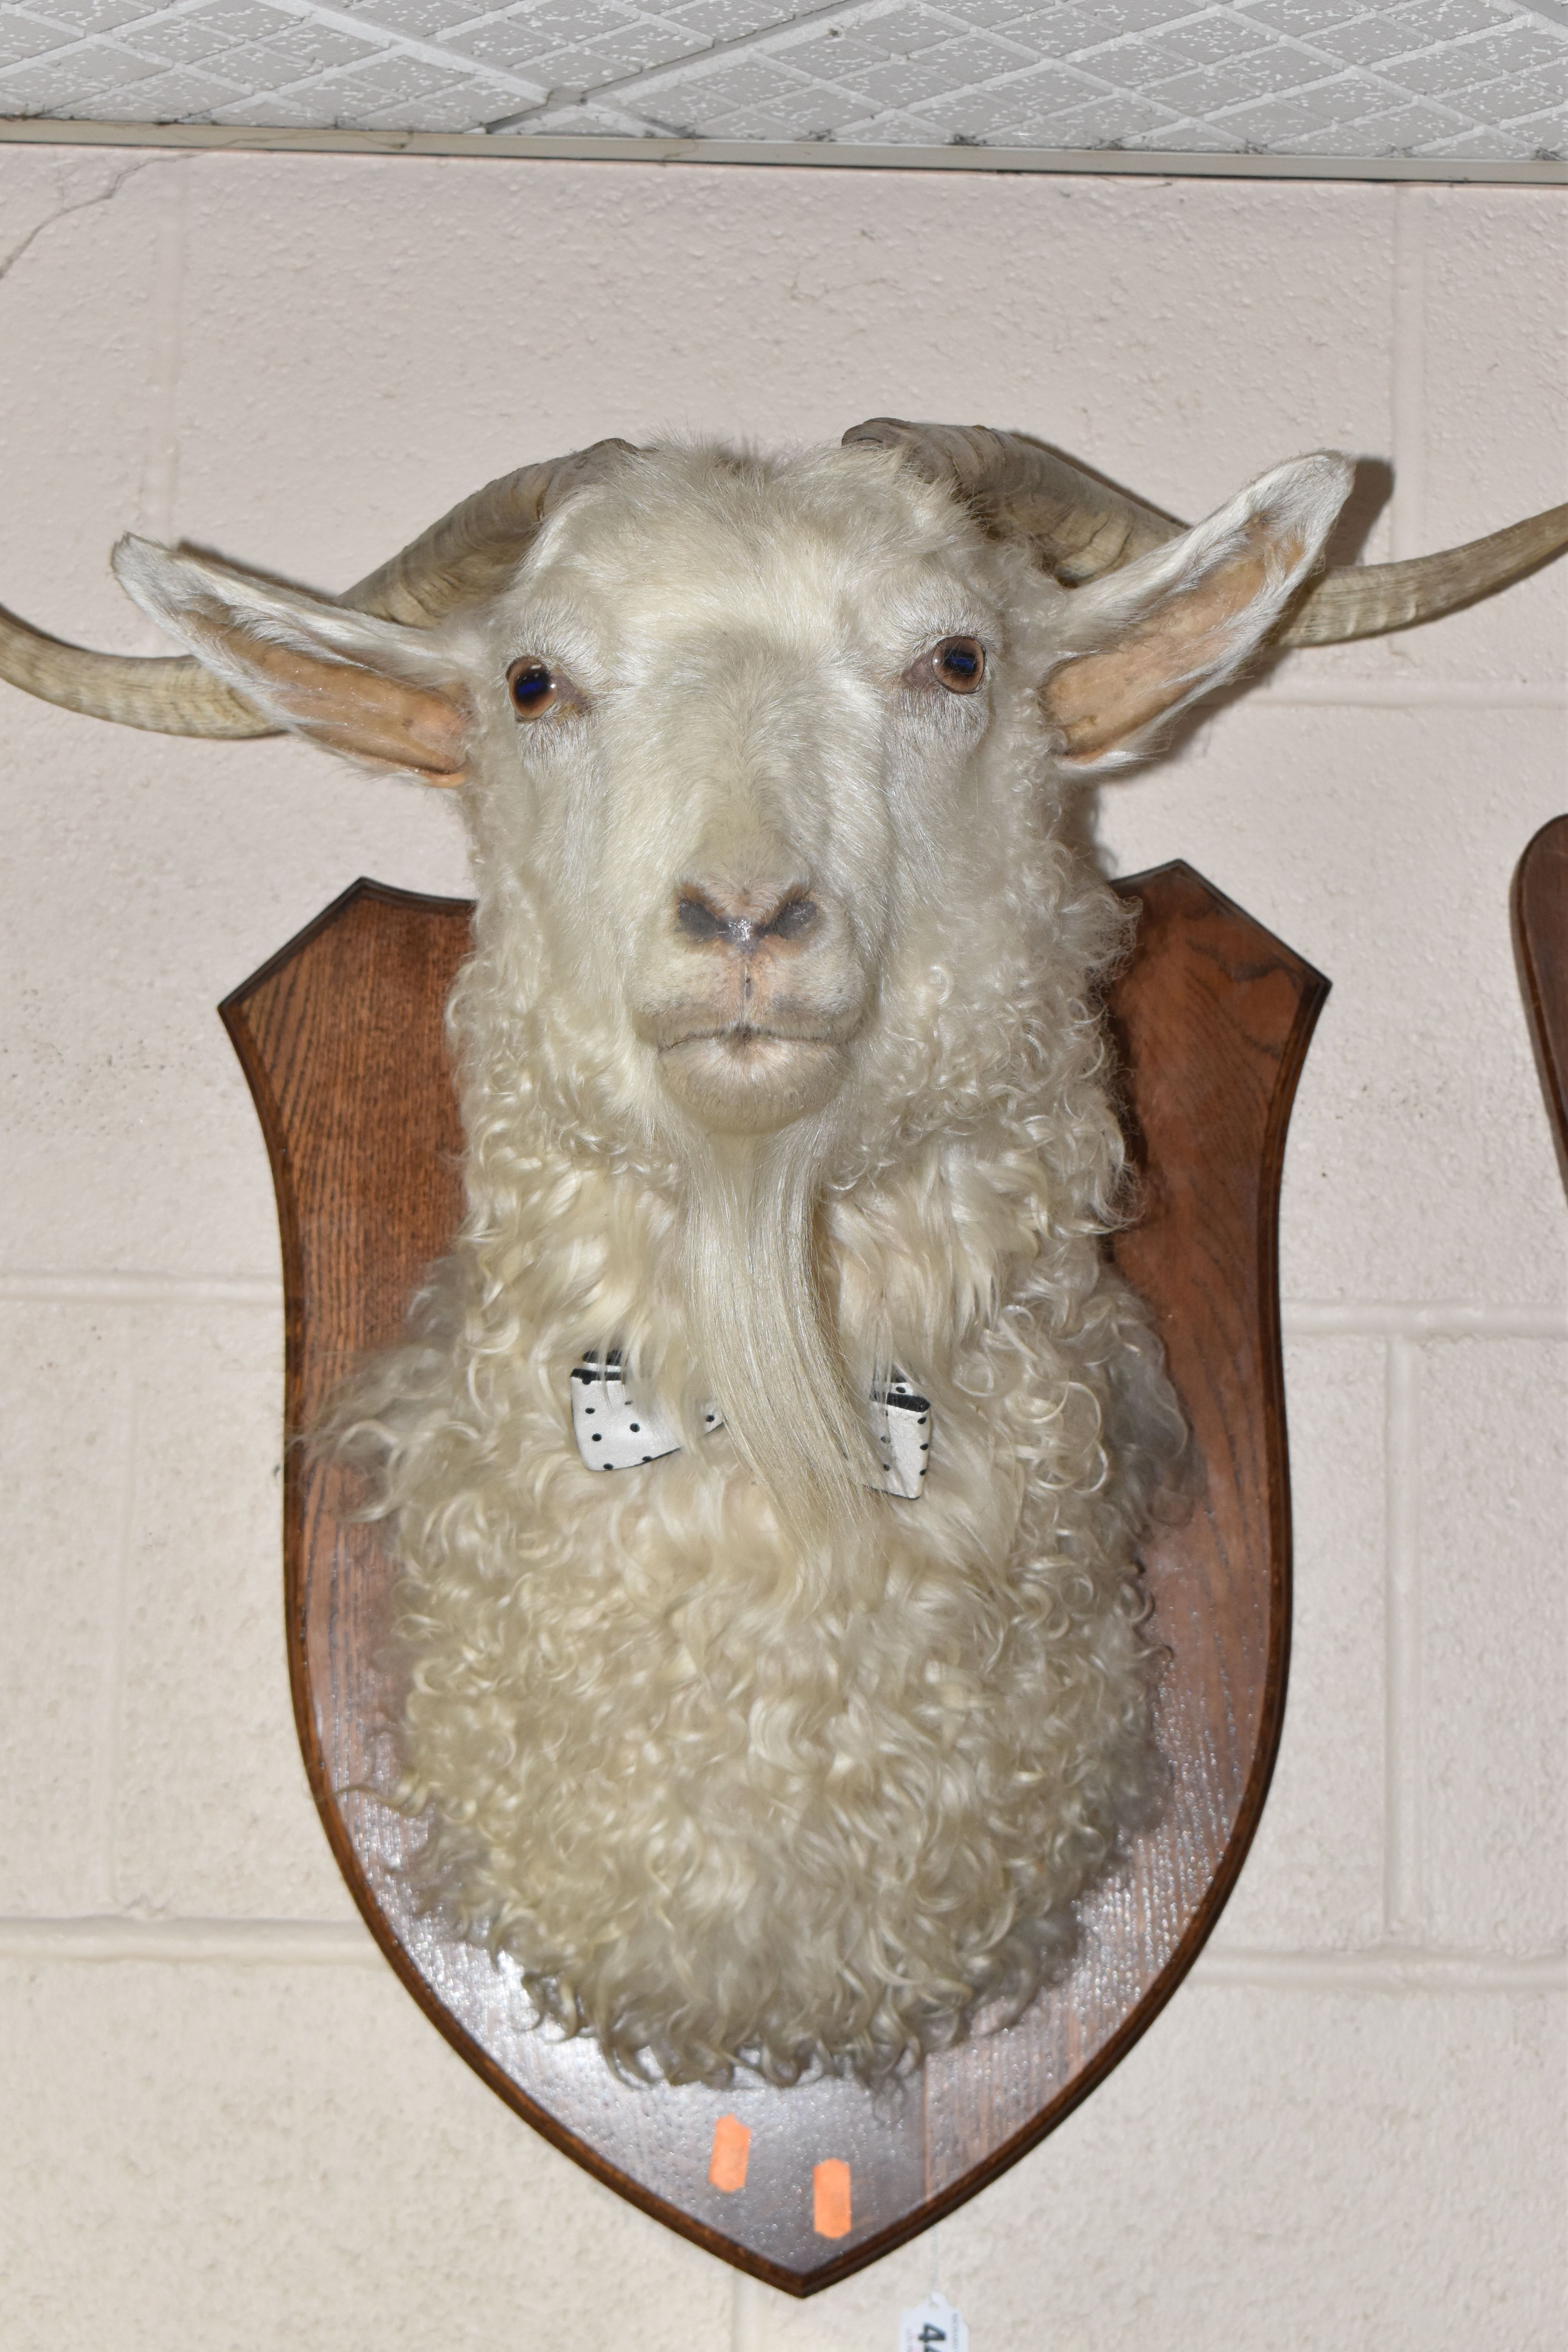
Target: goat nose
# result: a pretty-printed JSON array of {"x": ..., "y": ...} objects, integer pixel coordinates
[{"x": 744, "y": 919}]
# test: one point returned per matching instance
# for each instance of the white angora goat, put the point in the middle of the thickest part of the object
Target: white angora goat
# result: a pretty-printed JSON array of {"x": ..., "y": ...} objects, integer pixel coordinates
[{"x": 775, "y": 1691}]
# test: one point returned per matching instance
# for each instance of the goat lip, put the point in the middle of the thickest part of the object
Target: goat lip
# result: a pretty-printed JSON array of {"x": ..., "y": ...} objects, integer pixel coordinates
[
  {"x": 742, "y": 1034},
  {"x": 740, "y": 1080}
]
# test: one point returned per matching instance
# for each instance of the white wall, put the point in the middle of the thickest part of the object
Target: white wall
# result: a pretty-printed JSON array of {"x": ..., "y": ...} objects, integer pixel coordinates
[{"x": 227, "y": 2126}]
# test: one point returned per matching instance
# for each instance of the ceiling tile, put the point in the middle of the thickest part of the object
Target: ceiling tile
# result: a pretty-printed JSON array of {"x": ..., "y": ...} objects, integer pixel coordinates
[{"x": 1460, "y": 78}]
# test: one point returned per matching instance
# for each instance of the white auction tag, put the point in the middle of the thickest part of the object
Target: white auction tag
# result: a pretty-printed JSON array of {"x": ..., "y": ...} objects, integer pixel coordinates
[{"x": 934, "y": 2328}]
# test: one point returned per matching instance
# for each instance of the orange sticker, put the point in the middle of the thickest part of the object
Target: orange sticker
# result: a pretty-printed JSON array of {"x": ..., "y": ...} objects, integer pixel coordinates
[
  {"x": 830, "y": 2198},
  {"x": 731, "y": 2146}
]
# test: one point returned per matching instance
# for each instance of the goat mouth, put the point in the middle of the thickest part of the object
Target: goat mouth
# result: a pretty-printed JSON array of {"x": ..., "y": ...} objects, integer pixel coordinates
[
  {"x": 742, "y": 1080},
  {"x": 741, "y": 1034}
]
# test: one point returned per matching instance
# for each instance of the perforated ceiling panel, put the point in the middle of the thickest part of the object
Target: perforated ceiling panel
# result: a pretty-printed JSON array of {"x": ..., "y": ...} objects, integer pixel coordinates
[{"x": 1483, "y": 78}]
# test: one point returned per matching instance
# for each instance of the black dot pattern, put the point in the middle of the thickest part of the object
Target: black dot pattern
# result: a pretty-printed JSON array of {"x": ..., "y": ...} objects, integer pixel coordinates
[
  {"x": 901, "y": 1430},
  {"x": 614, "y": 1433}
]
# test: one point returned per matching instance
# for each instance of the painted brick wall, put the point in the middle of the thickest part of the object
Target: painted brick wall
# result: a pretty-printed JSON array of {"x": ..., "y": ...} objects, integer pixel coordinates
[{"x": 226, "y": 2125}]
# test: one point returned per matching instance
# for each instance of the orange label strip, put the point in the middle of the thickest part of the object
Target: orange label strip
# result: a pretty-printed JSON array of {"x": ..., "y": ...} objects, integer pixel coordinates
[
  {"x": 830, "y": 2198},
  {"x": 732, "y": 2147}
]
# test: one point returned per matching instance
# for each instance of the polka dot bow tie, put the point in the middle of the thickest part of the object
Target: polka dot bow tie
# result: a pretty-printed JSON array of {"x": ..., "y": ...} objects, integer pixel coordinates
[{"x": 615, "y": 1432}]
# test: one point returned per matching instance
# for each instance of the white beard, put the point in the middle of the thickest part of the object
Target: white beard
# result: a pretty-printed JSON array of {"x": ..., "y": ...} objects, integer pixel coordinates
[{"x": 760, "y": 1336}]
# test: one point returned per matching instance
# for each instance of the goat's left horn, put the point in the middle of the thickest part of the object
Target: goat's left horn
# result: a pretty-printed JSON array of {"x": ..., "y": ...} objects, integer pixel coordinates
[
  {"x": 1367, "y": 600},
  {"x": 1080, "y": 525},
  {"x": 1084, "y": 525}
]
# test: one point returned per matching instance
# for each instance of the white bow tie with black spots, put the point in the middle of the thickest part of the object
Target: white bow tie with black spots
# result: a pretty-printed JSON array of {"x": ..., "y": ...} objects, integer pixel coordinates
[{"x": 615, "y": 1432}]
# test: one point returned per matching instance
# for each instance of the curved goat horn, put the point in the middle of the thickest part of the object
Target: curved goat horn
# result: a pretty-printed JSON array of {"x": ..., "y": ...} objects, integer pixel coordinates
[
  {"x": 171, "y": 695},
  {"x": 457, "y": 561},
  {"x": 466, "y": 555},
  {"x": 1084, "y": 526},
  {"x": 1366, "y": 600},
  {"x": 1080, "y": 525}
]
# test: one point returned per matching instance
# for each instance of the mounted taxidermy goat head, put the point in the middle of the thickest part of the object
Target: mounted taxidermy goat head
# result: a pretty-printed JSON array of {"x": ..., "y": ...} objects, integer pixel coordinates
[{"x": 757, "y": 1727}]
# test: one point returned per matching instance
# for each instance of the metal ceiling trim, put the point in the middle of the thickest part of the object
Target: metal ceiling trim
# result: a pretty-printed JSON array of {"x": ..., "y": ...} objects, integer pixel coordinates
[{"x": 36, "y": 130}]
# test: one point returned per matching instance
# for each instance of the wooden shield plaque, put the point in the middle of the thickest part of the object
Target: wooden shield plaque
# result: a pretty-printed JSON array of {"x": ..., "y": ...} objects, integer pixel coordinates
[
  {"x": 341, "y": 1036},
  {"x": 1540, "y": 911}
]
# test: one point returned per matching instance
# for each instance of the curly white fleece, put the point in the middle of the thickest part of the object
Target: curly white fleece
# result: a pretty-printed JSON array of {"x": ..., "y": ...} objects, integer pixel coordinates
[{"x": 736, "y": 1781}]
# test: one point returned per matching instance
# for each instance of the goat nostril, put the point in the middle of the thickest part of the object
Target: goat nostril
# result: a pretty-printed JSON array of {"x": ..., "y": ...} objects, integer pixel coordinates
[
  {"x": 793, "y": 918},
  {"x": 697, "y": 920},
  {"x": 700, "y": 919}
]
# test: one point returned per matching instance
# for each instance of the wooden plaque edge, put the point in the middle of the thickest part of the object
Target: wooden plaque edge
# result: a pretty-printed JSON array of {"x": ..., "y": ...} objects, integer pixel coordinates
[
  {"x": 1312, "y": 991},
  {"x": 1551, "y": 1072},
  {"x": 232, "y": 1013}
]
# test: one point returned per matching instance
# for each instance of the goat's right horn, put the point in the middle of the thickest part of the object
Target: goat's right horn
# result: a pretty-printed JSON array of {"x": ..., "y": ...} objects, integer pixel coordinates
[
  {"x": 169, "y": 694},
  {"x": 466, "y": 556},
  {"x": 459, "y": 559},
  {"x": 1080, "y": 524}
]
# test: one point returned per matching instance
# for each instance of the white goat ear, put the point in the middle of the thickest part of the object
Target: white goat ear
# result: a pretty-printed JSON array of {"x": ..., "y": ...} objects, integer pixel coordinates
[
  {"x": 368, "y": 689},
  {"x": 1147, "y": 641}
]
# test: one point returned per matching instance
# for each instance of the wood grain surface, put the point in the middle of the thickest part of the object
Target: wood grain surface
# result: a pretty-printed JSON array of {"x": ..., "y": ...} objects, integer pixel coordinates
[
  {"x": 1540, "y": 911},
  {"x": 341, "y": 1037}
]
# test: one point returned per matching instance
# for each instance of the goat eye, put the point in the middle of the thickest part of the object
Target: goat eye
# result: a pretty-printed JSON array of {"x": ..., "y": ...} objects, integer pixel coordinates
[
  {"x": 534, "y": 686},
  {"x": 959, "y": 663}
]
